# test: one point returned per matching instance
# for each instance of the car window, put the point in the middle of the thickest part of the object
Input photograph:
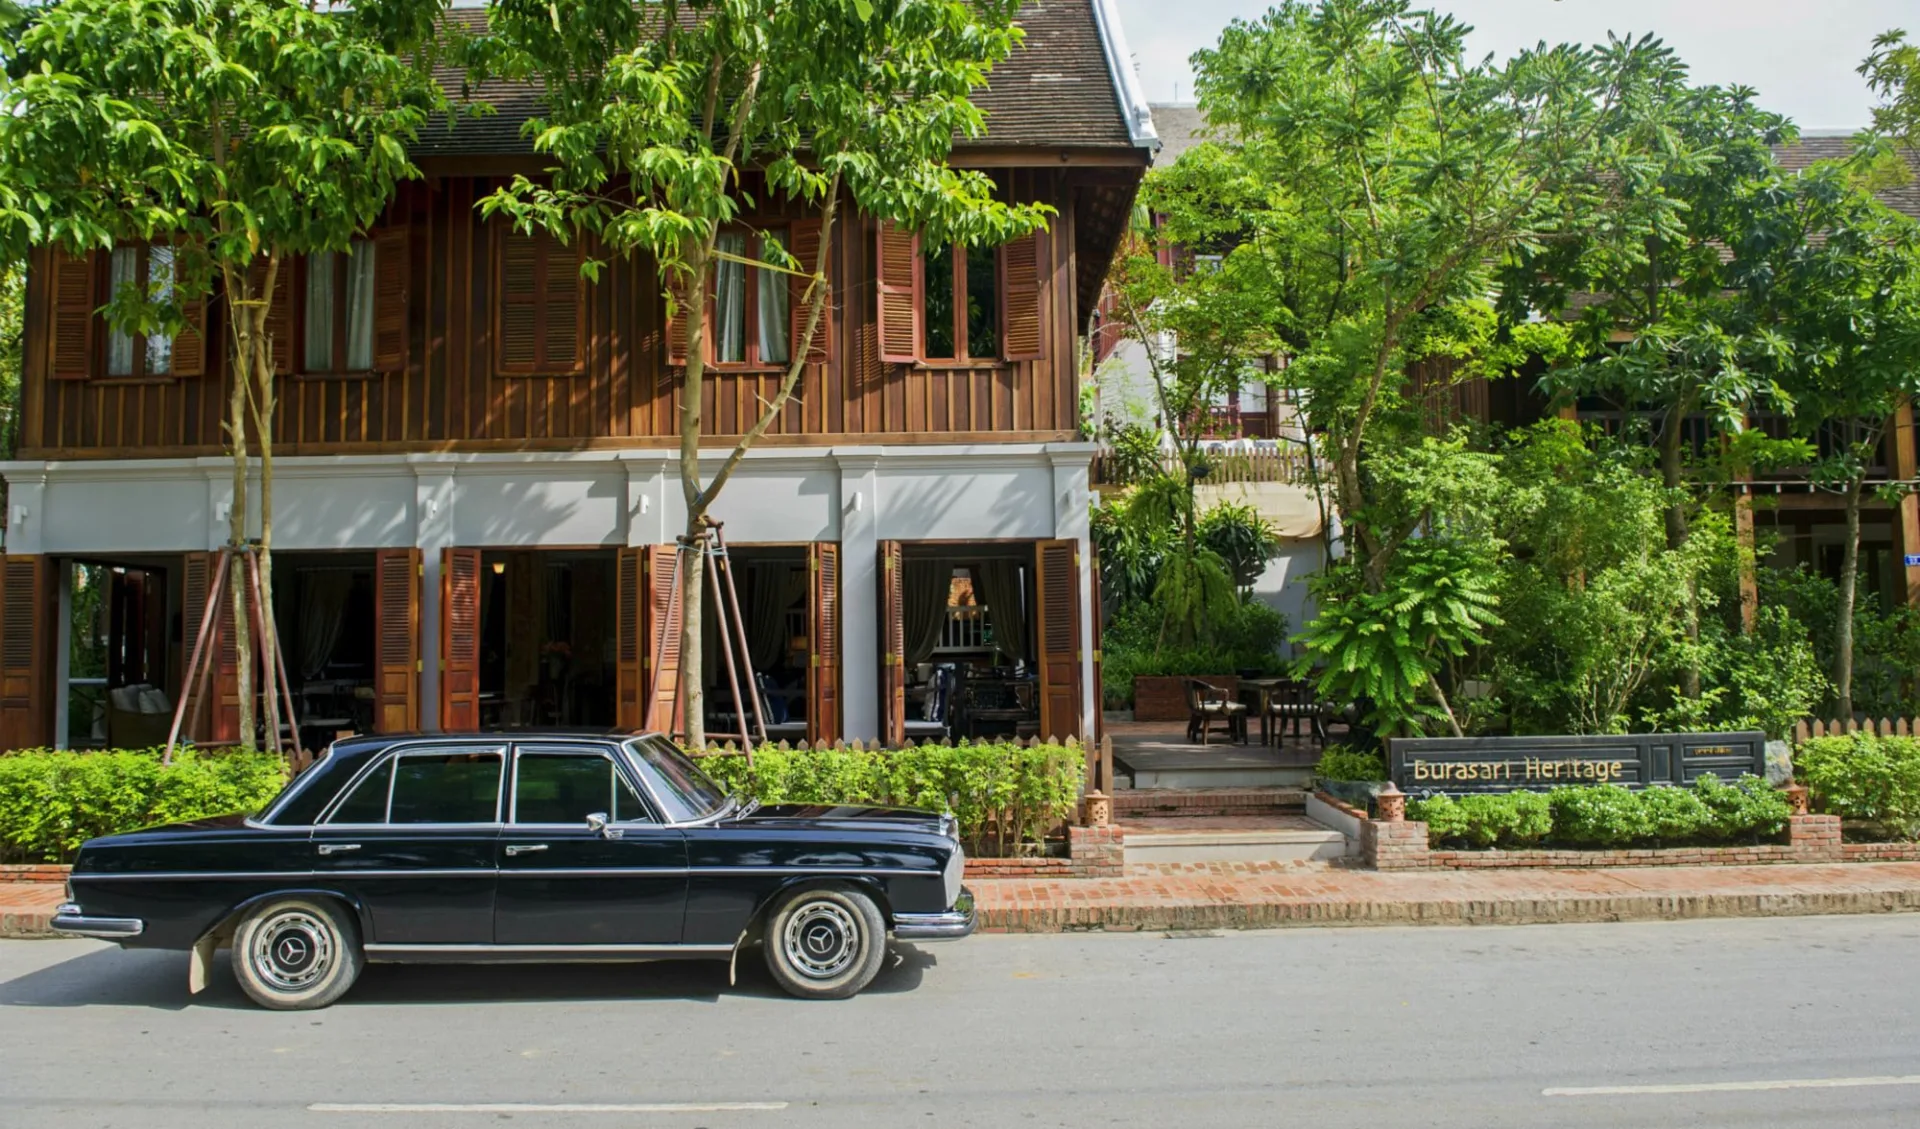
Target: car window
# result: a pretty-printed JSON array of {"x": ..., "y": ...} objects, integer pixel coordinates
[
  {"x": 367, "y": 803},
  {"x": 450, "y": 787},
  {"x": 680, "y": 787},
  {"x": 567, "y": 787}
]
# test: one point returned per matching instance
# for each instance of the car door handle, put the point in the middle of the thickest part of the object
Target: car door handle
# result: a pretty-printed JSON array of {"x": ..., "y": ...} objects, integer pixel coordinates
[
  {"x": 524, "y": 848},
  {"x": 336, "y": 848}
]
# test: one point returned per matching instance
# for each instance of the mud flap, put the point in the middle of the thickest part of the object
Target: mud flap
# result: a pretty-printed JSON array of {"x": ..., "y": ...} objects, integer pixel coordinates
[{"x": 200, "y": 962}]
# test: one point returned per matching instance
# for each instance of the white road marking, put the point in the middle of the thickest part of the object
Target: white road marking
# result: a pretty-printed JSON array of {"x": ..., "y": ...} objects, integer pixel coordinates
[
  {"x": 1733, "y": 1087},
  {"x": 557, "y": 1107}
]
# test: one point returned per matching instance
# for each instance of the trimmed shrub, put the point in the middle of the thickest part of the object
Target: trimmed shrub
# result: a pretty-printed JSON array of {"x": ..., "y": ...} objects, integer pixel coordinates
[
  {"x": 1608, "y": 816},
  {"x": 1006, "y": 797},
  {"x": 1512, "y": 819},
  {"x": 51, "y": 802},
  {"x": 1864, "y": 777},
  {"x": 1341, "y": 763}
]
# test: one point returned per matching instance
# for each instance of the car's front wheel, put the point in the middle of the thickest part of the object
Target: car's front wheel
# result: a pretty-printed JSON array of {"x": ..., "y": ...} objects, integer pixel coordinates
[
  {"x": 825, "y": 944},
  {"x": 295, "y": 954}
]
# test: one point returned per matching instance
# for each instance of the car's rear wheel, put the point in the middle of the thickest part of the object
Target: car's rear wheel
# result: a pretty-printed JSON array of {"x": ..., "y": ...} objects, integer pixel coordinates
[
  {"x": 825, "y": 944},
  {"x": 295, "y": 954}
]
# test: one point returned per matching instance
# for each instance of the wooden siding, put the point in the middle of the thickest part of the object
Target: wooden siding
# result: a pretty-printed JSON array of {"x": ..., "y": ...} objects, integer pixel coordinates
[{"x": 450, "y": 394}]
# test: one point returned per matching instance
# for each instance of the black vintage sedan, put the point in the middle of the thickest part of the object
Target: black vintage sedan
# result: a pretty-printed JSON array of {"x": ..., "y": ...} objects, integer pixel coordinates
[{"x": 522, "y": 847}]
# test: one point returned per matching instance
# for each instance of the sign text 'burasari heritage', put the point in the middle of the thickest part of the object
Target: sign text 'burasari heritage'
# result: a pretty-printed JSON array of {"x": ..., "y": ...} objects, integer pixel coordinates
[{"x": 1505, "y": 764}]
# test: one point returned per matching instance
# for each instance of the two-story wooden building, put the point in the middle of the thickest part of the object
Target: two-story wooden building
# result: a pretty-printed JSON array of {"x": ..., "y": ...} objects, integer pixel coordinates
[{"x": 475, "y": 479}]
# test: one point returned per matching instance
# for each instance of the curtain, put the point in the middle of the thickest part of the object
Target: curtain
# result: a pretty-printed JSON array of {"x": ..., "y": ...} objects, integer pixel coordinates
[
  {"x": 360, "y": 266},
  {"x": 318, "y": 356},
  {"x": 730, "y": 300},
  {"x": 775, "y": 587},
  {"x": 928, "y": 585},
  {"x": 323, "y": 608},
  {"x": 774, "y": 327},
  {"x": 120, "y": 271},
  {"x": 159, "y": 286},
  {"x": 1005, "y": 593}
]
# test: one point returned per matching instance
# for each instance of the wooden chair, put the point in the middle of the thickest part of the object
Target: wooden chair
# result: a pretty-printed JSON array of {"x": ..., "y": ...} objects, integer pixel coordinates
[
  {"x": 1291, "y": 702},
  {"x": 1210, "y": 707}
]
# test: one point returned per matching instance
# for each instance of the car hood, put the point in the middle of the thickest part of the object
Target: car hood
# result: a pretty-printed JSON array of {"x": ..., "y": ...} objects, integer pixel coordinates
[{"x": 848, "y": 817}]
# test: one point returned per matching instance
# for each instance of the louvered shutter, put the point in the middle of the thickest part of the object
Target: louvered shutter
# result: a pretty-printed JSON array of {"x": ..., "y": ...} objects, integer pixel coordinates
[
  {"x": 806, "y": 248},
  {"x": 392, "y": 291},
  {"x": 26, "y": 652},
  {"x": 666, "y": 712},
  {"x": 76, "y": 298},
  {"x": 561, "y": 330},
  {"x": 899, "y": 287},
  {"x": 520, "y": 286},
  {"x": 190, "y": 345},
  {"x": 823, "y": 635},
  {"x": 279, "y": 326},
  {"x": 224, "y": 695},
  {"x": 1097, "y": 608},
  {"x": 196, "y": 572},
  {"x": 893, "y": 634},
  {"x": 396, "y": 695},
  {"x": 459, "y": 640},
  {"x": 1021, "y": 338},
  {"x": 629, "y": 633},
  {"x": 1058, "y": 631},
  {"x": 677, "y": 337}
]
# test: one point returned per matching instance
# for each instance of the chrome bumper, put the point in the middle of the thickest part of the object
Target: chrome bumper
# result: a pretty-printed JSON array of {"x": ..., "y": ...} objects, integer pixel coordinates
[
  {"x": 949, "y": 926},
  {"x": 69, "y": 920}
]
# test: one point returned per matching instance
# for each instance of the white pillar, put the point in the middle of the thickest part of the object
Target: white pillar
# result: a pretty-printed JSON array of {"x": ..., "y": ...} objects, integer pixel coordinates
[
  {"x": 433, "y": 502},
  {"x": 860, "y": 504}
]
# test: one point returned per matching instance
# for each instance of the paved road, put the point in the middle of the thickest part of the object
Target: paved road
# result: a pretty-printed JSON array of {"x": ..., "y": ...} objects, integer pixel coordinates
[{"x": 1469, "y": 1028}]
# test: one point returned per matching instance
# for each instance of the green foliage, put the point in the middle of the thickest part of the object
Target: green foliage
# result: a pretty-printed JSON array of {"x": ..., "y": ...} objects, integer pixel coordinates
[
  {"x": 1608, "y": 816},
  {"x": 1886, "y": 642},
  {"x": 1243, "y": 539},
  {"x": 1768, "y": 679},
  {"x": 1341, "y": 763},
  {"x": 1249, "y": 640},
  {"x": 1864, "y": 777},
  {"x": 1006, "y": 797},
  {"x": 1892, "y": 71},
  {"x": 51, "y": 802}
]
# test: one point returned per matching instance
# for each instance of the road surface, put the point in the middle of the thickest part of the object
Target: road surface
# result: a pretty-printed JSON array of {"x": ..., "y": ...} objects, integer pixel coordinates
[{"x": 1787, "y": 1022}]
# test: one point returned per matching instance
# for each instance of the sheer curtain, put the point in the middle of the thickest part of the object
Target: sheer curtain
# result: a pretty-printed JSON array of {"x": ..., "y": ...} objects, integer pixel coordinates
[
  {"x": 121, "y": 274},
  {"x": 323, "y": 608},
  {"x": 160, "y": 286},
  {"x": 1005, "y": 591},
  {"x": 775, "y": 587},
  {"x": 774, "y": 325},
  {"x": 318, "y": 356},
  {"x": 730, "y": 301},
  {"x": 928, "y": 586},
  {"x": 360, "y": 267}
]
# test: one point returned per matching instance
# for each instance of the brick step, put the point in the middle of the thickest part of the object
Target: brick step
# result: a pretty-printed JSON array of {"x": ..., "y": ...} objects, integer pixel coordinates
[{"x": 1203, "y": 802}]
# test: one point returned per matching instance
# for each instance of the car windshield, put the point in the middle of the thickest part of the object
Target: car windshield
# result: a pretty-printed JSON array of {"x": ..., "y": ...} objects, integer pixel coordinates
[{"x": 682, "y": 789}]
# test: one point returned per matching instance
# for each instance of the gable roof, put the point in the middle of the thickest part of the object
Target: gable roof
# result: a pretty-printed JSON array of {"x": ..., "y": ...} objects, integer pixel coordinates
[{"x": 1069, "y": 84}]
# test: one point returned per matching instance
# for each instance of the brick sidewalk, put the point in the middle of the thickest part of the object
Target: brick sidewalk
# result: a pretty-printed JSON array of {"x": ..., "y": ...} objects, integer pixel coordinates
[{"x": 1267, "y": 895}]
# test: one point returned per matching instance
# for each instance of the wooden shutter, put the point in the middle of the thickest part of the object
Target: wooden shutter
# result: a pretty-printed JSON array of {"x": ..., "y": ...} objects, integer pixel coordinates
[
  {"x": 190, "y": 345},
  {"x": 76, "y": 299},
  {"x": 806, "y": 248},
  {"x": 26, "y": 652},
  {"x": 196, "y": 572},
  {"x": 223, "y": 696},
  {"x": 520, "y": 286},
  {"x": 459, "y": 640},
  {"x": 666, "y": 712},
  {"x": 1057, "y": 585},
  {"x": 279, "y": 310},
  {"x": 392, "y": 290},
  {"x": 561, "y": 332},
  {"x": 539, "y": 323},
  {"x": 1020, "y": 336},
  {"x": 1097, "y": 607},
  {"x": 396, "y": 687},
  {"x": 629, "y": 635},
  {"x": 900, "y": 284},
  {"x": 677, "y": 337},
  {"x": 823, "y": 635},
  {"x": 893, "y": 645}
]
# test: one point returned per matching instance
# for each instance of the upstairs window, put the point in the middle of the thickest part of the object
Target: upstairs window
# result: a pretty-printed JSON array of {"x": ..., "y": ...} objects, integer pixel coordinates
[
  {"x": 539, "y": 323},
  {"x": 960, "y": 306},
  {"x": 339, "y": 310},
  {"x": 751, "y": 319},
  {"x": 132, "y": 355},
  {"x": 953, "y": 304}
]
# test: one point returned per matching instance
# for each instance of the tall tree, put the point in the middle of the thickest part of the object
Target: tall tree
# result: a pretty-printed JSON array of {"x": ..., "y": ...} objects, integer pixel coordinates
[
  {"x": 667, "y": 122},
  {"x": 1892, "y": 71},
  {"x": 234, "y": 134}
]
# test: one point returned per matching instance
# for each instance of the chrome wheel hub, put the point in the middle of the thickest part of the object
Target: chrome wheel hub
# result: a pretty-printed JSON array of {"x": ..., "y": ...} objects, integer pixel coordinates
[
  {"x": 821, "y": 940},
  {"x": 292, "y": 950}
]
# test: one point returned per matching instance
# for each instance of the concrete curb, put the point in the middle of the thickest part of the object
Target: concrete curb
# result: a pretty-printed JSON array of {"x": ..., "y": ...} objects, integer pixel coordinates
[{"x": 1119, "y": 917}]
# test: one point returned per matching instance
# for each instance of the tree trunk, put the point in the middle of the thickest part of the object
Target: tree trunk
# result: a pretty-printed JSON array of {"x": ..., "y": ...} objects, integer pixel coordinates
[
  {"x": 1673, "y": 477},
  {"x": 1849, "y": 579},
  {"x": 692, "y": 683},
  {"x": 261, "y": 367},
  {"x": 237, "y": 540}
]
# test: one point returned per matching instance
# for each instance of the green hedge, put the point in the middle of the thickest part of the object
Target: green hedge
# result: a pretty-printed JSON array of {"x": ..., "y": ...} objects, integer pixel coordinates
[
  {"x": 1863, "y": 777},
  {"x": 1341, "y": 763},
  {"x": 51, "y": 802},
  {"x": 1007, "y": 797},
  {"x": 1608, "y": 816}
]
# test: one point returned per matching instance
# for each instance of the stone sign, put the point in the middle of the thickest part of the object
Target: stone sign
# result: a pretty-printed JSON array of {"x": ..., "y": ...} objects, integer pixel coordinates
[{"x": 1507, "y": 764}]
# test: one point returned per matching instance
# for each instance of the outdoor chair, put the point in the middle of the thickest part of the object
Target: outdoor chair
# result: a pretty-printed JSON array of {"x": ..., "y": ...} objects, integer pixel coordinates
[
  {"x": 1289, "y": 703},
  {"x": 935, "y": 722},
  {"x": 1210, "y": 707}
]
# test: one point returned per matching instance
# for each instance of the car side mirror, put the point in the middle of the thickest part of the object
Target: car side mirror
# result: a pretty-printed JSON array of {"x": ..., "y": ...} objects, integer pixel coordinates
[{"x": 597, "y": 823}]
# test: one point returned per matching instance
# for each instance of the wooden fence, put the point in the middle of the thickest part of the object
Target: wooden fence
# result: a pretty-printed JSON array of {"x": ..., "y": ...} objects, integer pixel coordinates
[
  {"x": 1287, "y": 466},
  {"x": 1885, "y": 727}
]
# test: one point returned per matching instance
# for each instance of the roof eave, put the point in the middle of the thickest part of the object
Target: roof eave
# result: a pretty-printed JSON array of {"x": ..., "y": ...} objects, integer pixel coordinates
[{"x": 1126, "y": 84}]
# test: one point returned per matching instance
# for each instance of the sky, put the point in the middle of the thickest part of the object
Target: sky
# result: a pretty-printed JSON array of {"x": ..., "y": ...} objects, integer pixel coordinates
[{"x": 1799, "y": 54}]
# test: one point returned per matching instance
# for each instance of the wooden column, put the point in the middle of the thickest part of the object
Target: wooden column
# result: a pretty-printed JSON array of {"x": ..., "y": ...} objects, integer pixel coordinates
[
  {"x": 893, "y": 646},
  {"x": 1906, "y": 516}
]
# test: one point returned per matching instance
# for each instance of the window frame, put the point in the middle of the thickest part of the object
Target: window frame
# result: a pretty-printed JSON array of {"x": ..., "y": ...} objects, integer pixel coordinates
[
  {"x": 957, "y": 288},
  {"x": 103, "y": 291},
  {"x": 750, "y": 350},
  {"x": 620, "y": 772},
  {"x": 393, "y": 757},
  {"x": 302, "y": 266}
]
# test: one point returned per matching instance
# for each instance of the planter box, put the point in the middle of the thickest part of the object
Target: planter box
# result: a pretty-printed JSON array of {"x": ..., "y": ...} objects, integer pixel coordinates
[{"x": 1163, "y": 697}]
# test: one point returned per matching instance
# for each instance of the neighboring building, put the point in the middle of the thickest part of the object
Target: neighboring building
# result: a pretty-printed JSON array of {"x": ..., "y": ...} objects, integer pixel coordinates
[{"x": 476, "y": 483}]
